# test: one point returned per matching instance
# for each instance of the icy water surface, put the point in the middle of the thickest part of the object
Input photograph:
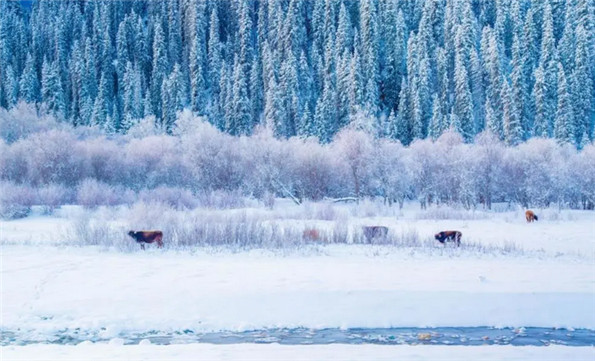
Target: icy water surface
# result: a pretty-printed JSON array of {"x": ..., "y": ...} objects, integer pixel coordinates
[{"x": 471, "y": 336}]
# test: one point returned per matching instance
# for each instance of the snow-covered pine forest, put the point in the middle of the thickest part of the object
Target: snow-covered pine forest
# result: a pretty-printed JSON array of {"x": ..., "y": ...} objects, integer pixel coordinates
[{"x": 401, "y": 69}]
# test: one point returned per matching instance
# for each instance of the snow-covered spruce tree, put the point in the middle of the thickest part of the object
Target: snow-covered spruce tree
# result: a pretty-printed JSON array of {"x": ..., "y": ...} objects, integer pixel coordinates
[
  {"x": 493, "y": 78},
  {"x": 548, "y": 64},
  {"x": 402, "y": 127},
  {"x": 52, "y": 92},
  {"x": 437, "y": 123},
  {"x": 30, "y": 89},
  {"x": 543, "y": 107},
  {"x": 582, "y": 85},
  {"x": 274, "y": 111},
  {"x": 355, "y": 80},
  {"x": 160, "y": 68},
  {"x": 239, "y": 121},
  {"x": 564, "y": 124},
  {"x": 463, "y": 107},
  {"x": 198, "y": 62},
  {"x": 11, "y": 87},
  {"x": 291, "y": 93},
  {"x": 513, "y": 131}
]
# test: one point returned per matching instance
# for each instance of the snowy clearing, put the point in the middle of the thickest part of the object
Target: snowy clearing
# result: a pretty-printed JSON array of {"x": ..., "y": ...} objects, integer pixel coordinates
[
  {"x": 110, "y": 352},
  {"x": 545, "y": 279}
]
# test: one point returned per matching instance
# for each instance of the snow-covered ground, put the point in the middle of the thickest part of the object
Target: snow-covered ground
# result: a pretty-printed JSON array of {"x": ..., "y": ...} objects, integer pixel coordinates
[
  {"x": 548, "y": 281},
  {"x": 96, "y": 352}
]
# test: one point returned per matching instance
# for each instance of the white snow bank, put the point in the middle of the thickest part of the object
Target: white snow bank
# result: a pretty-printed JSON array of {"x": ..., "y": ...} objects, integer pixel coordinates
[
  {"x": 47, "y": 289},
  {"x": 274, "y": 352}
]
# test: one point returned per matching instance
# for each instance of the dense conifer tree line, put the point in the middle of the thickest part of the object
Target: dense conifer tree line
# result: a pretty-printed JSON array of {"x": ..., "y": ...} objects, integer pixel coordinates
[{"x": 401, "y": 69}]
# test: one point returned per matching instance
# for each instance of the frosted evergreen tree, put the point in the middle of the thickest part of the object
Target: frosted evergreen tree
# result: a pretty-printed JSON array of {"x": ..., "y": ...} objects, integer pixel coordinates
[
  {"x": 132, "y": 98},
  {"x": 89, "y": 80},
  {"x": 404, "y": 116},
  {"x": 503, "y": 27},
  {"x": 370, "y": 39},
  {"x": 437, "y": 123},
  {"x": 390, "y": 54},
  {"x": 274, "y": 23},
  {"x": 76, "y": 68},
  {"x": 493, "y": 122},
  {"x": 214, "y": 56},
  {"x": 422, "y": 100},
  {"x": 160, "y": 68},
  {"x": 11, "y": 87},
  {"x": 141, "y": 47},
  {"x": 198, "y": 63},
  {"x": 225, "y": 94},
  {"x": 291, "y": 94},
  {"x": 344, "y": 39},
  {"x": 477, "y": 90},
  {"x": 356, "y": 84},
  {"x": 519, "y": 90},
  {"x": 29, "y": 84},
  {"x": 51, "y": 89},
  {"x": 103, "y": 107},
  {"x": 174, "y": 31},
  {"x": 558, "y": 14},
  {"x": 564, "y": 130},
  {"x": 582, "y": 88},
  {"x": 548, "y": 64},
  {"x": 343, "y": 88},
  {"x": 400, "y": 51},
  {"x": 463, "y": 105},
  {"x": 274, "y": 111},
  {"x": 566, "y": 45},
  {"x": 122, "y": 50},
  {"x": 294, "y": 35},
  {"x": 493, "y": 67},
  {"x": 245, "y": 38},
  {"x": 513, "y": 131},
  {"x": 256, "y": 89},
  {"x": 325, "y": 117},
  {"x": 239, "y": 122},
  {"x": 148, "y": 104},
  {"x": 543, "y": 108},
  {"x": 530, "y": 51}
]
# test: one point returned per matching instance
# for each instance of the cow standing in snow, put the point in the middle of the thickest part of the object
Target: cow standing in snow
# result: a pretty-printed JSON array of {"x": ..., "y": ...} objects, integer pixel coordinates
[
  {"x": 453, "y": 236},
  {"x": 530, "y": 216},
  {"x": 143, "y": 237}
]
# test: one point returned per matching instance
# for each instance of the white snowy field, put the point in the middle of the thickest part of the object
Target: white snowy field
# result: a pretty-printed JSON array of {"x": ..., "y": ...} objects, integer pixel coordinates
[
  {"x": 547, "y": 280},
  {"x": 274, "y": 352}
]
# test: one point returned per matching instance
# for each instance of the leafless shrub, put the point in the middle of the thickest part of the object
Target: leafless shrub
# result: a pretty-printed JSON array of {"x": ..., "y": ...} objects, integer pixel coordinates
[
  {"x": 53, "y": 196},
  {"x": 15, "y": 200},
  {"x": 220, "y": 199},
  {"x": 178, "y": 198},
  {"x": 447, "y": 212}
]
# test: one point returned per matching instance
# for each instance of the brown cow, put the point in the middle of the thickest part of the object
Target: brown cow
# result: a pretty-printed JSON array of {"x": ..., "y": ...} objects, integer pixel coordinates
[
  {"x": 454, "y": 236},
  {"x": 530, "y": 216},
  {"x": 147, "y": 237},
  {"x": 311, "y": 234},
  {"x": 372, "y": 232}
]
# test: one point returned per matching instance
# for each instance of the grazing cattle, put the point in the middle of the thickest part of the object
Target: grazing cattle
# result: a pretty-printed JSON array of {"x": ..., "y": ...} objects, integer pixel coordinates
[
  {"x": 530, "y": 216},
  {"x": 143, "y": 237},
  {"x": 373, "y": 232},
  {"x": 453, "y": 236},
  {"x": 311, "y": 234}
]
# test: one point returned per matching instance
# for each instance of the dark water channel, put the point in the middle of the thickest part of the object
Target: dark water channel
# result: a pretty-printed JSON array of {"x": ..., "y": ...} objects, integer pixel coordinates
[{"x": 471, "y": 336}]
